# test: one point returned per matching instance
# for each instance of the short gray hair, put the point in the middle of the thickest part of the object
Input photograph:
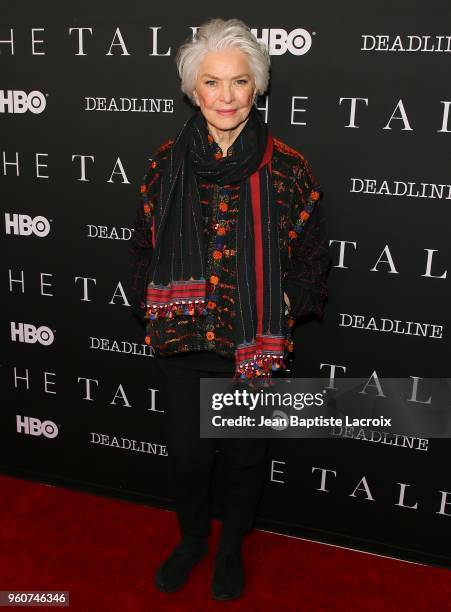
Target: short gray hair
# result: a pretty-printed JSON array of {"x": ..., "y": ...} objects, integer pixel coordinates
[{"x": 218, "y": 35}]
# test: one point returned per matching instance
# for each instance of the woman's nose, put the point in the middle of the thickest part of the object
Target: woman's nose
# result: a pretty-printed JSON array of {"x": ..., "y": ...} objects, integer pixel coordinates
[{"x": 226, "y": 93}]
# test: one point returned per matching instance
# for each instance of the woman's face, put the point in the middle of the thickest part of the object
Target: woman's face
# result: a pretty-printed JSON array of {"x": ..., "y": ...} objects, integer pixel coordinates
[{"x": 225, "y": 88}]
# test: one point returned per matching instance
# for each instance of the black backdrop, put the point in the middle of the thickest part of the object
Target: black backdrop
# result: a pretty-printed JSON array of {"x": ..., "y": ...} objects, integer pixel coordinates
[{"x": 81, "y": 405}]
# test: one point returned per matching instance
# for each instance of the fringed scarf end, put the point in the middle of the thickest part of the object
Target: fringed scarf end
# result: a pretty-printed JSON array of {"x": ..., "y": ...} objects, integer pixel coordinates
[
  {"x": 172, "y": 309},
  {"x": 261, "y": 366}
]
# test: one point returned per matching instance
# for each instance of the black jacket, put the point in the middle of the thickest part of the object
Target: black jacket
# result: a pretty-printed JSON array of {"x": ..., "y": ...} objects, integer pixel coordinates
[{"x": 303, "y": 242}]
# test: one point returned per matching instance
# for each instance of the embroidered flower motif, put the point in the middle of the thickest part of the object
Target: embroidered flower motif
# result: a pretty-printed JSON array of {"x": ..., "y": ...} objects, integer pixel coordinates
[
  {"x": 153, "y": 164},
  {"x": 221, "y": 231},
  {"x": 146, "y": 208},
  {"x": 214, "y": 280},
  {"x": 223, "y": 206},
  {"x": 279, "y": 186},
  {"x": 143, "y": 188},
  {"x": 210, "y": 335},
  {"x": 217, "y": 255},
  {"x": 211, "y": 304},
  {"x": 314, "y": 195},
  {"x": 218, "y": 155},
  {"x": 304, "y": 215},
  {"x": 147, "y": 340},
  {"x": 292, "y": 234}
]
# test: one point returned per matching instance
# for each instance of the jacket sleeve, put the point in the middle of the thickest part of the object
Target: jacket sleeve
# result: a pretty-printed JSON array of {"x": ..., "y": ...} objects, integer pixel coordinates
[
  {"x": 140, "y": 244},
  {"x": 306, "y": 281}
]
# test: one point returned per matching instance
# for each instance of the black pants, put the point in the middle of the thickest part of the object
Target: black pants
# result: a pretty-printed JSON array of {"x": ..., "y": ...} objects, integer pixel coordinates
[{"x": 192, "y": 459}]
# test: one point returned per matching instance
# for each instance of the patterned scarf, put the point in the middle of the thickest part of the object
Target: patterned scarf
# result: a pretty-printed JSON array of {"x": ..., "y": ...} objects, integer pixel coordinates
[{"x": 177, "y": 273}]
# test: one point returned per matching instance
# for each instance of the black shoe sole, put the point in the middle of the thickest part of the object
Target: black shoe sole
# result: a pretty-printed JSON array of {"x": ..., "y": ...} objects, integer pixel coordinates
[
  {"x": 228, "y": 597},
  {"x": 164, "y": 589}
]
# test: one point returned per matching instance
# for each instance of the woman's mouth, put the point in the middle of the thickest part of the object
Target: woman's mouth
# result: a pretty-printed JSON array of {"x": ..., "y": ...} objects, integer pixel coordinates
[{"x": 226, "y": 111}]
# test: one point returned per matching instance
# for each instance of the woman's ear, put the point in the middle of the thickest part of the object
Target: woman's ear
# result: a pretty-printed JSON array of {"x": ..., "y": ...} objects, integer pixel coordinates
[{"x": 195, "y": 97}]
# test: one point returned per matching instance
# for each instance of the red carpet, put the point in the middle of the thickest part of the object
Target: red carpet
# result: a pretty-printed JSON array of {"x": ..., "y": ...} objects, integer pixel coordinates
[{"x": 104, "y": 552}]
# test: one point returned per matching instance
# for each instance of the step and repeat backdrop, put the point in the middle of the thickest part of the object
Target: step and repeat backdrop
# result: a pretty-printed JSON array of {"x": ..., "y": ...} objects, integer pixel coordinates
[{"x": 87, "y": 94}]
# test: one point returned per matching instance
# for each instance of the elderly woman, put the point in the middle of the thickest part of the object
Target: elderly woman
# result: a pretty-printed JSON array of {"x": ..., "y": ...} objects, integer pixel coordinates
[{"x": 228, "y": 253}]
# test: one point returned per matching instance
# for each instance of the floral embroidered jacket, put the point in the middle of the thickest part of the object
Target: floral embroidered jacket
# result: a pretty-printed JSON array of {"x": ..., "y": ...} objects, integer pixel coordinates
[{"x": 303, "y": 244}]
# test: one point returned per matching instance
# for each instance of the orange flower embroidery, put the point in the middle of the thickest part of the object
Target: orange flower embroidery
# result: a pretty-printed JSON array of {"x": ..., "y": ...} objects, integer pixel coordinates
[
  {"x": 147, "y": 340},
  {"x": 211, "y": 304},
  {"x": 214, "y": 280},
  {"x": 292, "y": 234},
  {"x": 210, "y": 335},
  {"x": 153, "y": 164},
  {"x": 314, "y": 195},
  {"x": 146, "y": 208},
  {"x": 218, "y": 155},
  {"x": 223, "y": 206},
  {"x": 221, "y": 231},
  {"x": 304, "y": 215},
  {"x": 217, "y": 255},
  {"x": 143, "y": 188}
]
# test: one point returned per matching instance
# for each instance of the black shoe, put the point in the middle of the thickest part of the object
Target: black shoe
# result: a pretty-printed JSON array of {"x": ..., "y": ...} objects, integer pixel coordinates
[
  {"x": 228, "y": 576},
  {"x": 174, "y": 572}
]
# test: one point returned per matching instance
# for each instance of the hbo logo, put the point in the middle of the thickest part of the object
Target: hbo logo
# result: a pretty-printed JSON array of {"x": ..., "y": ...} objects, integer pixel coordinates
[
  {"x": 35, "y": 427},
  {"x": 12, "y": 101},
  {"x": 24, "y": 225},
  {"x": 28, "y": 333},
  {"x": 279, "y": 41}
]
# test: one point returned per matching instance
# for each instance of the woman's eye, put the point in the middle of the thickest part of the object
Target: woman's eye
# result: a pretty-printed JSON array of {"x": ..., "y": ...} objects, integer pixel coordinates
[
  {"x": 208, "y": 82},
  {"x": 242, "y": 81}
]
